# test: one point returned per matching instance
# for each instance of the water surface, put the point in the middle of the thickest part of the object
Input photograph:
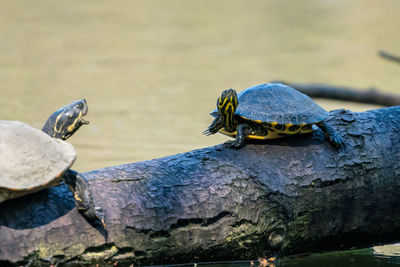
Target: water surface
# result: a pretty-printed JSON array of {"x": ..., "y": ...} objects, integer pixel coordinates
[{"x": 152, "y": 70}]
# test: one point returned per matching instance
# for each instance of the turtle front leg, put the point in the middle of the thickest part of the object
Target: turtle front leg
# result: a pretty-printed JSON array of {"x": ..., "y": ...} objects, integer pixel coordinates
[
  {"x": 79, "y": 186},
  {"x": 333, "y": 137},
  {"x": 241, "y": 132},
  {"x": 214, "y": 127}
]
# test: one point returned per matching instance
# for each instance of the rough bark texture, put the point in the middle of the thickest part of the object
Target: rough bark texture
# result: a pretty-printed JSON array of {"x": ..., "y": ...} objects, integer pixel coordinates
[{"x": 290, "y": 195}]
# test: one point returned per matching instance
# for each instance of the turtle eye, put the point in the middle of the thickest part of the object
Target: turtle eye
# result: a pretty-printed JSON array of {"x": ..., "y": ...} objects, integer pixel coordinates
[{"x": 79, "y": 106}]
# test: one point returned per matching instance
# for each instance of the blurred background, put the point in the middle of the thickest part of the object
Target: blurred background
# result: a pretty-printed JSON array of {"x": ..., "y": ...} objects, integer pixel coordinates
[{"x": 151, "y": 71}]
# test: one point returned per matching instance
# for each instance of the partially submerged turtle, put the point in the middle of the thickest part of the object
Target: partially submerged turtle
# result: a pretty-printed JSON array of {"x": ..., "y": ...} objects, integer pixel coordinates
[
  {"x": 268, "y": 111},
  {"x": 31, "y": 160}
]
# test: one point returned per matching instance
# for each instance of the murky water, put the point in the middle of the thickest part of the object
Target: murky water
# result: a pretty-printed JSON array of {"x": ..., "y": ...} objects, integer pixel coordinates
[
  {"x": 352, "y": 258},
  {"x": 152, "y": 70}
]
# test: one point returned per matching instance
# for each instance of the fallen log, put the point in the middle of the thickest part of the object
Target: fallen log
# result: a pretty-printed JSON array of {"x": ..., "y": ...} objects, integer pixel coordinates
[
  {"x": 291, "y": 195},
  {"x": 367, "y": 96}
]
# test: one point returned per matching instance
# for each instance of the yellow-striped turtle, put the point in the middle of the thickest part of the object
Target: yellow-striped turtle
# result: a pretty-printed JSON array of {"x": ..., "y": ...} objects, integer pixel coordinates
[
  {"x": 32, "y": 160},
  {"x": 66, "y": 121},
  {"x": 268, "y": 111}
]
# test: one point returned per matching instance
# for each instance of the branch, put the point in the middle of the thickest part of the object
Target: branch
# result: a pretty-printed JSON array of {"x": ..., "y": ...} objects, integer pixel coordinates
[
  {"x": 369, "y": 96},
  {"x": 389, "y": 56},
  {"x": 291, "y": 195}
]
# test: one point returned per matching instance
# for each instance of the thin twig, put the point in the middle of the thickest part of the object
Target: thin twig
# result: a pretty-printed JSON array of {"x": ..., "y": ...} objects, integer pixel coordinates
[{"x": 389, "y": 56}]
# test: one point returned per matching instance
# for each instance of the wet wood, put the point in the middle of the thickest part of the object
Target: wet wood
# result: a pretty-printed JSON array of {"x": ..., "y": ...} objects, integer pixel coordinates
[
  {"x": 293, "y": 195},
  {"x": 342, "y": 93}
]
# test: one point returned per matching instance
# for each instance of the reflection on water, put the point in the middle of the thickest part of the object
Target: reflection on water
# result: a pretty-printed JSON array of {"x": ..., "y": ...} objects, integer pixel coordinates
[
  {"x": 152, "y": 70},
  {"x": 388, "y": 251},
  {"x": 352, "y": 258}
]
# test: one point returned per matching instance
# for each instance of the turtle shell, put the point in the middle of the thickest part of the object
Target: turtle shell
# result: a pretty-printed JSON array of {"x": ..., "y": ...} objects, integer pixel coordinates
[
  {"x": 275, "y": 102},
  {"x": 30, "y": 160}
]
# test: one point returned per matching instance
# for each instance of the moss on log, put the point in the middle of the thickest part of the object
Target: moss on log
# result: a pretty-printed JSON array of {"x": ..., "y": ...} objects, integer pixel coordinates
[{"x": 291, "y": 195}]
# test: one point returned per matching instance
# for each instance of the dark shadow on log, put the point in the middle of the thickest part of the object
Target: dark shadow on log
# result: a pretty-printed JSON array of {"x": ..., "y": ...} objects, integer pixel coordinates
[
  {"x": 292, "y": 195},
  {"x": 368, "y": 96},
  {"x": 37, "y": 209}
]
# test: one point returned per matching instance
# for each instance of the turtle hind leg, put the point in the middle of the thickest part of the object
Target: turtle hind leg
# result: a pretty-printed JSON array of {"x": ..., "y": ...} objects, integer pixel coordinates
[
  {"x": 333, "y": 137},
  {"x": 79, "y": 186}
]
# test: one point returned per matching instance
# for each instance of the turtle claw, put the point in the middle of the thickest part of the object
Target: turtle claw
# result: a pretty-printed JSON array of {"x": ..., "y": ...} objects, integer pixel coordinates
[
  {"x": 228, "y": 144},
  {"x": 223, "y": 146},
  {"x": 334, "y": 138},
  {"x": 337, "y": 141},
  {"x": 207, "y": 132},
  {"x": 214, "y": 127},
  {"x": 99, "y": 214},
  {"x": 235, "y": 145}
]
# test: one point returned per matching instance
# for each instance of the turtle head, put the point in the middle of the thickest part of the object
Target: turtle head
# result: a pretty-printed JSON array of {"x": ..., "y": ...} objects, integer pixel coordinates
[
  {"x": 227, "y": 104},
  {"x": 66, "y": 121}
]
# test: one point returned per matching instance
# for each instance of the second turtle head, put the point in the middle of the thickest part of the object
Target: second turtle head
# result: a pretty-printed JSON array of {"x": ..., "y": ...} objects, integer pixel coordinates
[{"x": 66, "y": 121}]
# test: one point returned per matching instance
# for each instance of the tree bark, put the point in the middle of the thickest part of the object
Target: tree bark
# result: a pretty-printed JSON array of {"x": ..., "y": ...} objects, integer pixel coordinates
[{"x": 291, "y": 195}]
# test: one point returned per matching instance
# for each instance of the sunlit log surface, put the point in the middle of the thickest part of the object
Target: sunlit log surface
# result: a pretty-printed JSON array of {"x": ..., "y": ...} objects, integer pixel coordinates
[{"x": 292, "y": 195}]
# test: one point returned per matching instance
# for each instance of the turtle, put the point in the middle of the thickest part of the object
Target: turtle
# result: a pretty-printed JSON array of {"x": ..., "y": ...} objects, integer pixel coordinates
[
  {"x": 32, "y": 160},
  {"x": 269, "y": 111},
  {"x": 65, "y": 121}
]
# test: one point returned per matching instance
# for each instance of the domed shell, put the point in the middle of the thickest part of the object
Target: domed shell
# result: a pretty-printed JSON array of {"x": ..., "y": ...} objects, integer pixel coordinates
[
  {"x": 30, "y": 160},
  {"x": 275, "y": 102}
]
